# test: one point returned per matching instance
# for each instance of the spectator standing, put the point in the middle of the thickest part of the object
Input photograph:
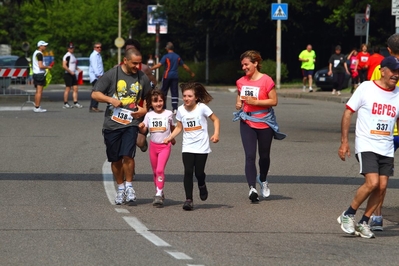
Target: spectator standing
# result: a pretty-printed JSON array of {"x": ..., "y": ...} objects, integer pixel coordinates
[
  {"x": 150, "y": 63},
  {"x": 255, "y": 99},
  {"x": 337, "y": 67},
  {"x": 122, "y": 88},
  {"x": 352, "y": 57},
  {"x": 69, "y": 65},
  {"x": 308, "y": 59},
  {"x": 374, "y": 147},
  {"x": 30, "y": 75},
  {"x": 39, "y": 71},
  {"x": 170, "y": 79},
  {"x": 363, "y": 62},
  {"x": 96, "y": 70},
  {"x": 374, "y": 61}
]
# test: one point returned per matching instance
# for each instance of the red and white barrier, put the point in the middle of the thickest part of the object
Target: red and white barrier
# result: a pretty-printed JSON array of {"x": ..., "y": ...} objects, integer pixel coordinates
[{"x": 13, "y": 72}]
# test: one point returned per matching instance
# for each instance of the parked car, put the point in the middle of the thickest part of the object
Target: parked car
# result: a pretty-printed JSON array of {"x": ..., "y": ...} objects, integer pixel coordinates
[
  {"x": 7, "y": 61},
  {"x": 83, "y": 64},
  {"x": 325, "y": 82}
]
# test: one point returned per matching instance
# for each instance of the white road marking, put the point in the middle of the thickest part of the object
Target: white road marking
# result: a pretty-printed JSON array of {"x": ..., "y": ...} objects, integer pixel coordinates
[
  {"x": 178, "y": 255},
  {"x": 16, "y": 108},
  {"x": 143, "y": 231},
  {"x": 120, "y": 210},
  {"x": 108, "y": 180}
]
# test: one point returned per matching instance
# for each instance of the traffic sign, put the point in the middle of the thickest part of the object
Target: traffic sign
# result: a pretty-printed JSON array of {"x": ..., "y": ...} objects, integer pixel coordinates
[
  {"x": 280, "y": 11},
  {"x": 395, "y": 7},
  {"x": 360, "y": 25},
  {"x": 367, "y": 13},
  {"x": 119, "y": 42},
  {"x": 156, "y": 16}
]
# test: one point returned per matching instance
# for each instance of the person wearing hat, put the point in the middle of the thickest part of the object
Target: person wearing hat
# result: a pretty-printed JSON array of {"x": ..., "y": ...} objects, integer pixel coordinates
[
  {"x": 337, "y": 67},
  {"x": 69, "y": 65},
  {"x": 170, "y": 79},
  {"x": 39, "y": 71},
  {"x": 377, "y": 105}
]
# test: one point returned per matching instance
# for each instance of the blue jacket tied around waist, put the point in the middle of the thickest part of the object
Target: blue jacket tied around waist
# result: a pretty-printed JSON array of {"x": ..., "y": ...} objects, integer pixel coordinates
[{"x": 269, "y": 119}]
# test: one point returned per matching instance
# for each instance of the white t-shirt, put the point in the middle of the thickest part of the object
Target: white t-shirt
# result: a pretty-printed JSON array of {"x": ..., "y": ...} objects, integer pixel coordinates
[
  {"x": 377, "y": 111},
  {"x": 158, "y": 125},
  {"x": 195, "y": 128},
  {"x": 37, "y": 55},
  {"x": 71, "y": 61}
]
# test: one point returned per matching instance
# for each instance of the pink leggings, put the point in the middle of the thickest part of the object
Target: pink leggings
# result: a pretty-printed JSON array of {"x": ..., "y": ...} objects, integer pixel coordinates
[{"x": 159, "y": 155}]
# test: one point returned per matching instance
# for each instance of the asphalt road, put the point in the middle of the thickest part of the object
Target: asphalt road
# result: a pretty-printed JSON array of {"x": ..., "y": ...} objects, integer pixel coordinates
[{"x": 56, "y": 195}]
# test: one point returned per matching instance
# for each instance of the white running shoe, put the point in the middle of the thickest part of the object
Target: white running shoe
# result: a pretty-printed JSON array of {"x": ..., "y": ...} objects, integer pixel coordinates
[
  {"x": 39, "y": 110},
  {"x": 264, "y": 187},
  {"x": 78, "y": 105},
  {"x": 333, "y": 91},
  {"x": 304, "y": 88},
  {"x": 338, "y": 92},
  {"x": 363, "y": 230},
  {"x": 347, "y": 223},
  {"x": 253, "y": 195},
  {"x": 130, "y": 194},
  {"x": 120, "y": 197},
  {"x": 67, "y": 106}
]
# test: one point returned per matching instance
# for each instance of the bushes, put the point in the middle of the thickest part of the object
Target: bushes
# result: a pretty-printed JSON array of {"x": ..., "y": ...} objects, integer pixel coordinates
[{"x": 226, "y": 72}]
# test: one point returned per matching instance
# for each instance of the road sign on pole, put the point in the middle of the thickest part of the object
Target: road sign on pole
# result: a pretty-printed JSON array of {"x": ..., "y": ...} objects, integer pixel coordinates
[
  {"x": 360, "y": 25},
  {"x": 279, "y": 11},
  {"x": 395, "y": 8},
  {"x": 156, "y": 16}
]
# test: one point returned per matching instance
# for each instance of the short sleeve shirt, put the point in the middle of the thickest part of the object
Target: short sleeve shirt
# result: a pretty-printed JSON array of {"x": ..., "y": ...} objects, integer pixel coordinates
[
  {"x": 129, "y": 89},
  {"x": 377, "y": 111},
  {"x": 195, "y": 128},
  {"x": 159, "y": 125},
  {"x": 311, "y": 56},
  {"x": 171, "y": 62},
  {"x": 260, "y": 90}
]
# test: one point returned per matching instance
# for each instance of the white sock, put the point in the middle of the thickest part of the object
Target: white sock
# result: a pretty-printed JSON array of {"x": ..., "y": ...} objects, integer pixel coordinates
[
  {"x": 121, "y": 186},
  {"x": 129, "y": 184},
  {"x": 159, "y": 192}
]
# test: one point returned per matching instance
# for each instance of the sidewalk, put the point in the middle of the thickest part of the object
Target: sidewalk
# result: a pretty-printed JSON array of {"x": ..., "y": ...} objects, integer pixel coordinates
[{"x": 84, "y": 91}]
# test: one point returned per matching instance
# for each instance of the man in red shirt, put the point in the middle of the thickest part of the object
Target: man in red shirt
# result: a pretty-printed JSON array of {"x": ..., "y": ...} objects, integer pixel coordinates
[{"x": 374, "y": 60}]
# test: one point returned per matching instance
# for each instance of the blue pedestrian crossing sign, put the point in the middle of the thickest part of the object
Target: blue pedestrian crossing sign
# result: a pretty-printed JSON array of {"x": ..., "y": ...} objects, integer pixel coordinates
[{"x": 279, "y": 11}]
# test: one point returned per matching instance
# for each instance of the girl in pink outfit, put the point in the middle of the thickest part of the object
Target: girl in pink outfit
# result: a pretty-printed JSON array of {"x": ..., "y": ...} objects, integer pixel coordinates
[{"x": 159, "y": 123}]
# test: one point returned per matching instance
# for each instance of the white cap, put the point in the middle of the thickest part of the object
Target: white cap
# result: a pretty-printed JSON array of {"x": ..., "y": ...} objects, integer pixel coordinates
[{"x": 40, "y": 43}]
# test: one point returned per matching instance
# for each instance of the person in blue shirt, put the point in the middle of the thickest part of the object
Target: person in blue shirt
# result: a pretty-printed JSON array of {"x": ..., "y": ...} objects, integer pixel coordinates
[{"x": 170, "y": 79}]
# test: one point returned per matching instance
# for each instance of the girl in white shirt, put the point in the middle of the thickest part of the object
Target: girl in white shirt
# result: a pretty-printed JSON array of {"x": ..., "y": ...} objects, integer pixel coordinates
[
  {"x": 192, "y": 120},
  {"x": 159, "y": 122}
]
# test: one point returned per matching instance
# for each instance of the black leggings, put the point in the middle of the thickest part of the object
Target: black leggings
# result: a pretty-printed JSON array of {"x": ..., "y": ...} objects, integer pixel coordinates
[
  {"x": 363, "y": 74},
  {"x": 193, "y": 162},
  {"x": 250, "y": 137}
]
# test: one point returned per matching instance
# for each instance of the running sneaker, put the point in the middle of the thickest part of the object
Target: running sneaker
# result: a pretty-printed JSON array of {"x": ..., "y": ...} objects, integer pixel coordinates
[
  {"x": 145, "y": 146},
  {"x": 120, "y": 197},
  {"x": 264, "y": 187},
  {"x": 67, "y": 106},
  {"x": 130, "y": 194},
  {"x": 347, "y": 223},
  {"x": 333, "y": 91},
  {"x": 253, "y": 195},
  {"x": 188, "y": 205},
  {"x": 375, "y": 225},
  {"x": 338, "y": 92},
  {"x": 304, "y": 88},
  {"x": 310, "y": 89},
  {"x": 363, "y": 230},
  {"x": 203, "y": 192},
  {"x": 39, "y": 110},
  {"x": 158, "y": 201},
  {"x": 78, "y": 105}
]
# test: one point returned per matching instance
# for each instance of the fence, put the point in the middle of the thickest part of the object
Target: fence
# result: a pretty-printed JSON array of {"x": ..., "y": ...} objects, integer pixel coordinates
[{"x": 13, "y": 82}]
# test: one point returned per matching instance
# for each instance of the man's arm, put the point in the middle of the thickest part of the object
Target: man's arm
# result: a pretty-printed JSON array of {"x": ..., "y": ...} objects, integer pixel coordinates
[
  {"x": 345, "y": 124},
  {"x": 156, "y": 66},
  {"x": 188, "y": 70}
]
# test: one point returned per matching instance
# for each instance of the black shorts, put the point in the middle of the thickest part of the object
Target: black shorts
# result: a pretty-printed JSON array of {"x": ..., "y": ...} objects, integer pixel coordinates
[
  {"x": 39, "y": 79},
  {"x": 371, "y": 162},
  {"x": 70, "y": 80},
  {"x": 120, "y": 142}
]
